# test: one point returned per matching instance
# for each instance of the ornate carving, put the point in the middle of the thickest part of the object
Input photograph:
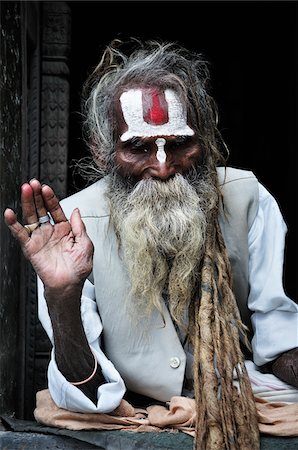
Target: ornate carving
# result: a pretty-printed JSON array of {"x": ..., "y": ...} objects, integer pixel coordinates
[
  {"x": 34, "y": 108},
  {"x": 55, "y": 96},
  {"x": 56, "y": 30}
]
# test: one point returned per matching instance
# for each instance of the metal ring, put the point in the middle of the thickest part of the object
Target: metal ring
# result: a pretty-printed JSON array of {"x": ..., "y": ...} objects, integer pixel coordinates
[
  {"x": 44, "y": 219},
  {"x": 30, "y": 227}
]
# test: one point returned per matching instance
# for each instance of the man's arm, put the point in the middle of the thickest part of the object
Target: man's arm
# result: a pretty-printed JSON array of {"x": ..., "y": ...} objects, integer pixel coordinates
[
  {"x": 275, "y": 316},
  {"x": 61, "y": 254},
  {"x": 65, "y": 395},
  {"x": 285, "y": 367},
  {"x": 74, "y": 357}
]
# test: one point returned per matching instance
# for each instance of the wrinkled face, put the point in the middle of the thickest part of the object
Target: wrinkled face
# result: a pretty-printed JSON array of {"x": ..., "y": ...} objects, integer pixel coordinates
[{"x": 154, "y": 138}]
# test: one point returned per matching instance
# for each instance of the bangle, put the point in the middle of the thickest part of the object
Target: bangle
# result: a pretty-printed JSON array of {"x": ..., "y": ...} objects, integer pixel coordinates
[{"x": 78, "y": 383}]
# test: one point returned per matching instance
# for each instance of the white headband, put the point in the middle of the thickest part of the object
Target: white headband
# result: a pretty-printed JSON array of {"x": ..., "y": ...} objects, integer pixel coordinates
[{"x": 132, "y": 108}]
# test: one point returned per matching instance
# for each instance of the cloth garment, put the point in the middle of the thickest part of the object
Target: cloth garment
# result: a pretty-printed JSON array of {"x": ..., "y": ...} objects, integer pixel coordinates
[
  {"x": 278, "y": 419},
  {"x": 268, "y": 387},
  {"x": 135, "y": 359}
]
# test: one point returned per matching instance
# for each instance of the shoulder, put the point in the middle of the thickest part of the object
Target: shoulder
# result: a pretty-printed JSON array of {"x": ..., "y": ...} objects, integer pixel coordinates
[
  {"x": 240, "y": 191},
  {"x": 91, "y": 201},
  {"x": 228, "y": 175},
  {"x": 232, "y": 181}
]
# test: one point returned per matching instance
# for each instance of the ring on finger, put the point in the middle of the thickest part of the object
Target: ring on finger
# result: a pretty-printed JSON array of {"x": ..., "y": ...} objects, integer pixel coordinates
[
  {"x": 43, "y": 219},
  {"x": 30, "y": 227}
]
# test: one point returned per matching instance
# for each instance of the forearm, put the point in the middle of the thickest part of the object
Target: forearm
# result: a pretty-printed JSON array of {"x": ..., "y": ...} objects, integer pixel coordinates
[
  {"x": 285, "y": 367},
  {"x": 73, "y": 355}
]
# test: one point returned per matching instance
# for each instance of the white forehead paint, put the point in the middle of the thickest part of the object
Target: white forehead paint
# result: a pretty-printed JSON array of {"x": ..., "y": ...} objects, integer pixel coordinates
[
  {"x": 161, "y": 155},
  {"x": 132, "y": 108}
]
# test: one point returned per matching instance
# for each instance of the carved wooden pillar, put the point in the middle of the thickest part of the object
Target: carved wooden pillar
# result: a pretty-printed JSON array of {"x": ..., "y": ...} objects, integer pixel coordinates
[
  {"x": 55, "y": 95},
  {"x": 48, "y": 131},
  {"x": 10, "y": 177}
]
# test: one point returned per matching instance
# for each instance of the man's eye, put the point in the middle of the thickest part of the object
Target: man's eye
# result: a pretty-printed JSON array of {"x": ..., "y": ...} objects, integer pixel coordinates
[
  {"x": 181, "y": 141},
  {"x": 139, "y": 149}
]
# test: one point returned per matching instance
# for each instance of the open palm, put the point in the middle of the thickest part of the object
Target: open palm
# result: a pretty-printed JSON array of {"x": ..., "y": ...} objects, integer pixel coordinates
[{"x": 60, "y": 251}]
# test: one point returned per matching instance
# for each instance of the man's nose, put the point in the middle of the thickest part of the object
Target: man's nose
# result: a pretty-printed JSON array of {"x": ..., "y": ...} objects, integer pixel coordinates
[{"x": 162, "y": 170}]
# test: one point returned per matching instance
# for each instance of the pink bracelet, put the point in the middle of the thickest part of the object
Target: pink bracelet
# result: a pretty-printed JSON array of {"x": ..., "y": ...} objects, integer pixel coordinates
[{"x": 77, "y": 383}]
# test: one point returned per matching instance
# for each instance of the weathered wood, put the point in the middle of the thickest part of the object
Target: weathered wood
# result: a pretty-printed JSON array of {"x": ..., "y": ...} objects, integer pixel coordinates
[
  {"x": 55, "y": 95},
  {"x": 10, "y": 176}
]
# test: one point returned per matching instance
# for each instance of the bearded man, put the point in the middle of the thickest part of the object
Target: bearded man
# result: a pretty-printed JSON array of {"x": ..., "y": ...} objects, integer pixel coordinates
[{"x": 154, "y": 278}]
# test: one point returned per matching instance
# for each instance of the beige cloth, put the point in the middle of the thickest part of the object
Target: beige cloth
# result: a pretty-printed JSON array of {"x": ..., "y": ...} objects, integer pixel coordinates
[{"x": 278, "y": 419}]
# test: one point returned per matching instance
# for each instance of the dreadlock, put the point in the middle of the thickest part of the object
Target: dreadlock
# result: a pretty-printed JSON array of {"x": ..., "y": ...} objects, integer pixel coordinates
[{"x": 226, "y": 414}]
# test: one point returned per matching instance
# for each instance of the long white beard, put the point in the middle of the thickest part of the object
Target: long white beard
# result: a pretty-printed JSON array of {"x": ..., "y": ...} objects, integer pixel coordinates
[{"x": 161, "y": 227}]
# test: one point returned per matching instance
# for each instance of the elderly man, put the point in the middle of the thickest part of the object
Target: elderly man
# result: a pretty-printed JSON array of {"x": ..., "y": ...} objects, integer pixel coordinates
[{"x": 153, "y": 278}]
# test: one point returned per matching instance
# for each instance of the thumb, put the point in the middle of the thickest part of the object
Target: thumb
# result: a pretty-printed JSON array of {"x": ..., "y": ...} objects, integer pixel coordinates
[{"x": 77, "y": 225}]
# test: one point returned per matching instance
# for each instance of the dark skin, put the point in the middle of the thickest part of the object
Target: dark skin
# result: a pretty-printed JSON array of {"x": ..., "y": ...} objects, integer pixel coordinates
[
  {"x": 284, "y": 367},
  {"x": 136, "y": 157},
  {"x": 61, "y": 253}
]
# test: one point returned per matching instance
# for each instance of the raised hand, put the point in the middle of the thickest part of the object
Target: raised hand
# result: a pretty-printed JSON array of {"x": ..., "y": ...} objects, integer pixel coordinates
[{"x": 60, "y": 251}]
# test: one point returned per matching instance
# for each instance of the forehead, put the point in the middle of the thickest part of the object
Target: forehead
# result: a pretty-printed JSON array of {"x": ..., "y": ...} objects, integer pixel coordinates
[{"x": 150, "y": 112}]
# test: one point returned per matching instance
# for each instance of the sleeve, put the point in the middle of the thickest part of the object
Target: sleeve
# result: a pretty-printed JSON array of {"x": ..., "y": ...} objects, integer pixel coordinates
[
  {"x": 274, "y": 314},
  {"x": 64, "y": 394}
]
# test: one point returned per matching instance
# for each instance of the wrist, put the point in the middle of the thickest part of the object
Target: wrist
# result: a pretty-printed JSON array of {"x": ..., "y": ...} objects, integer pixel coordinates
[{"x": 66, "y": 296}]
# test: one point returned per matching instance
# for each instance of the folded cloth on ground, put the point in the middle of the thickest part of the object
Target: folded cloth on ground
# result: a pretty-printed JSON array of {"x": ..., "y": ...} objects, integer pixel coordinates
[{"x": 277, "y": 419}]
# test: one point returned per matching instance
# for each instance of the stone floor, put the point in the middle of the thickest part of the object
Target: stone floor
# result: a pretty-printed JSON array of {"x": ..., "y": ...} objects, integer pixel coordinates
[
  {"x": 26, "y": 435},
  {"x": 12, "y": 440}
]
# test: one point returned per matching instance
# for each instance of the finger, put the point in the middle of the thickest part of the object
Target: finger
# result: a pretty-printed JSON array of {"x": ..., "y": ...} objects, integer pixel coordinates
[
  {"x": 28, "y": 204},
  {"x": 52, "y": 204},
  {"x": 38, "y": 199},
  {"x": 17, "y": 230},
  {"x": 77, "y": 225},
  {"x": 9, "y": 216}
]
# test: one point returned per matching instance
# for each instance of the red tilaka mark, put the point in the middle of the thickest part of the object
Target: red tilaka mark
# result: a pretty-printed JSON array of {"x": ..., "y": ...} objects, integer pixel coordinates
[{"x": 155, "y": 107}]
